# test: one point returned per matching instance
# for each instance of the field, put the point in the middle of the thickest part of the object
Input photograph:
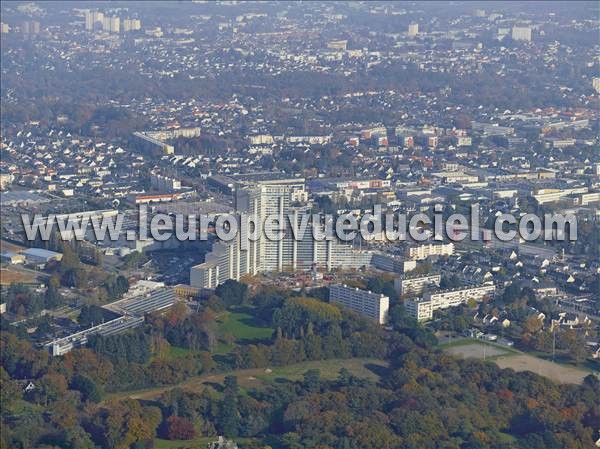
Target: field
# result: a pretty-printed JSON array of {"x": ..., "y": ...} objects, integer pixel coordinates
[
  {"x": 10, "y": 247},
  {"x": 506, "y": 357},
  {"x": 10, "y": 275},
  {"x": 558, "y": 373},
  {"x": 243, "y": 326},
  {"x": 259, "y": 377},
  {"x": 477, "y": 349}
]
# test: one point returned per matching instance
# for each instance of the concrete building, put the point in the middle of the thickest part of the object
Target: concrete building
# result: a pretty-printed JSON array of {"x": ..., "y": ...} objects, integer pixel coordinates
[
  {"x": 419, "y": 309},
  {"x": 421, "y": 252},
  {"x": 393, "y": 263},
  {"x": 164, "y": 183},
  {"x": 521, "y": 33},
  {"x": 423, "y": 308},
  {"x": 111, "y": 24},
  {"x": 39, "y": 255},
  {"x": 372, "y": 305},
  {"x": 92, "y": 18},
  {"x": 12, "y": 258},
  {"x": 258, "y": 253},
  {"x": 131, "y": 25},
  {"x": 413, "y": 29},
  {"x": 544, "y": 196},
  {"x": 454, "y": 297},
  {"x": 416, "y": 285}
]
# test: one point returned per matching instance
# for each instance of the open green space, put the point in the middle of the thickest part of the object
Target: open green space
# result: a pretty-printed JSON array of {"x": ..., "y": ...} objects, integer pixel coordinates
[
  {"x": 243, "y": 326},
  {"x": 260, "y": 377},
  {"x": 506, "y": 357}
]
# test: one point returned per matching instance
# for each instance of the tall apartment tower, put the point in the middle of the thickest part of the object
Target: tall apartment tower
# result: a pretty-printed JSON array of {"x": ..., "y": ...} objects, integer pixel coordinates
[
  {"x": 89, "y": 20},
  {"x": 413, "y": 29},
  {"x": 270, "y": 200},
  {"x": 272, "y": 204},
  {"x": 521, "y": 33}
]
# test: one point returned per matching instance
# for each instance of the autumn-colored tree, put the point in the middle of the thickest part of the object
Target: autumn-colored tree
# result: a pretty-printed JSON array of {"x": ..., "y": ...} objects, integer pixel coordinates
[{"x": 179, "y": 429}]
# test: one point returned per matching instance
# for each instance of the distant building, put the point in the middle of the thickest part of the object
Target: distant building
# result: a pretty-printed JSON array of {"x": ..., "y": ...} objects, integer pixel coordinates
[
  {"x": 92, "y": 18},
  {"x": 4, "y": 28},
  {"x": 30, "y": 27},
  {"x": 39, "y": 255},
  {"x": 164, "y": 183},
  {"x": 421, "y": 252},
  {"x": 12, "y": 258},
  {"x": 416, "y": 285},
  {"x": 111, "y": 24},
  {"x": 5, "y": 180},
  {"x": 422, "y": 308},
  {"x": 595, "y": 83},
  {"x": 131, "y": 25},
  {"x": 393, "y": 263},
  {"x": 521, "y": 33},
  {"x": 338, "y": 45},
  {"x": 413, "y": 29},
  {"x": 264, "y": 198},
  {"x": 372, "y": 305}
]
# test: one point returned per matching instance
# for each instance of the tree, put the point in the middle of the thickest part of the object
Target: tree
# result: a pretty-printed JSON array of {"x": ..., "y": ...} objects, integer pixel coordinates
[
  {"x": 232, "y": 292},
  {"x": 179, "y": 429},
  {"x": 122, "y": 423},
  {"x": 91, "y": 315},
  {"x": 87, "y": 387},
  {"x": 52, "y": 297},
  {"x": 51, "y": 387},
  {"x": 312, "y": 380},
  {"x": 229, "y": 419}
]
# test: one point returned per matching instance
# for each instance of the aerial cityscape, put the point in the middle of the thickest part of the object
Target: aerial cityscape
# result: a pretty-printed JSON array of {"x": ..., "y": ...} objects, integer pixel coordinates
[{"x": 300, "y": 225}]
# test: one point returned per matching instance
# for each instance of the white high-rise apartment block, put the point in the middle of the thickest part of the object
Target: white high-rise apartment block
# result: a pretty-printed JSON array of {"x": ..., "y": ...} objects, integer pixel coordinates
[
  {"x": 262, "y": 199},
  {"x": 413, "y": 29},
  {"x": 92, "y": 18},
  {"x": 131, "y": 25},
  {"x": 372, "y": 305},
  {"x": 521, "y": 33},
  {"x": 111, "y": 24},
  {"x": 89, "y": 20},
  {"x": 115, "y": 24}
]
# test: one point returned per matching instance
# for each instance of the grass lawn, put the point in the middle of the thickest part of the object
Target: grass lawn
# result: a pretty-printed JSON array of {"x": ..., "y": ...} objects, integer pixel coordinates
[
  {"x": 461, "y": 342},
  {"x": 330, "y": 369},
  {"x": 176, "y": 352},
  {"x": 257, "y": 378},
  {"x": 243, "y": 326}
]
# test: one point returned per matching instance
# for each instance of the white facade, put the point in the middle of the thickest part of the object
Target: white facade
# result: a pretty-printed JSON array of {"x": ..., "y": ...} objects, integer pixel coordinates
[
  {"x": 422, "y": 252},
  {"x": 372, "y": 305},
  {"x": 413, "y": 29},
  {"x": 415, "y": 285},
  {"x": 231, "y": 260},
  {"x": 423, "y": 308},
  {"x": 521, "y": 34}
]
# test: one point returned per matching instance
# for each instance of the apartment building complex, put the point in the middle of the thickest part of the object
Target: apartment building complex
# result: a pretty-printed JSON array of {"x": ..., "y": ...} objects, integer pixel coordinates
[
  {"x": 416, "y": 285},
  {"x": 423, "y": 308},
  {"x": 369, "y": 304},
  {"x": 421, "y": 252},
  {"x": 251, "y": 254}
]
